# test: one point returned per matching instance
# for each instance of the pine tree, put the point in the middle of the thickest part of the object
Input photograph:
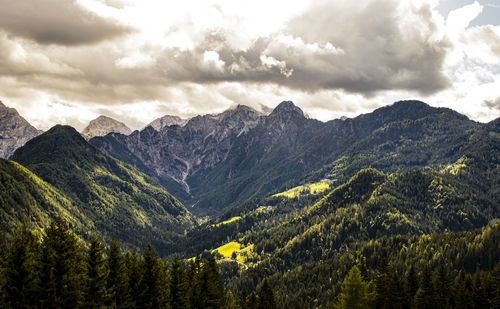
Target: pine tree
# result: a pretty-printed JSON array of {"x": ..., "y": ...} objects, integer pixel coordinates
[
  {"x": 424, "y": 298},
  {"x": 411, "y": 286},
  {"x": 177, "y": 293},
  {"x": 61, "y": 268},
  {"x": 133, "y": 278},
  {"x": 463, "y": 291},
  {"x": 242, "y": 299},
  {"x": 150, "y": 288},
  {"x": 495, "y": 302},
  {"x": 212, "y": 290},
  {"x": 20, "y": 271},
  {"x": 266, "y": 296},
  {"x": 252, "y": 301},
  {"x": 389, "y": 291},
  {"x": 116, "y": 281},
  {"x": 442, "y": 286},
  {"x": 480, "y": 291},
  {"x": 193, "y": 284},
  {"x": 354, "y": 291},
  {"x": 363, "y": 270},
  {"x": 95, "y": 293},
  {"x": 230, "y": 302}
]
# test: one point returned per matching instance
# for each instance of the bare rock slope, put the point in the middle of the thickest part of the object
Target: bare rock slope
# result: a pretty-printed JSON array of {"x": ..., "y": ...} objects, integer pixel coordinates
[{"x": 15, "y": 131}]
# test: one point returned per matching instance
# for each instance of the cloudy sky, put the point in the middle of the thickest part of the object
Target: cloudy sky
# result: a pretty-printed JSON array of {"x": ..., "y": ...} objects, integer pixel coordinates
[{"x": 64, "y": 61}]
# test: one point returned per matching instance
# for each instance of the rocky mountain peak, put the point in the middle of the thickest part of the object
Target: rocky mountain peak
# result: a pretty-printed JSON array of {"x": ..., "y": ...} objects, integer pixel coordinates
[
  {"x": 166, "y": 121},
  {"x": 287, "y": 108},
  {"x": 240, "y": 111},
  {"x": 15, "y": 131},
  {"x": 103, "y": 125}
]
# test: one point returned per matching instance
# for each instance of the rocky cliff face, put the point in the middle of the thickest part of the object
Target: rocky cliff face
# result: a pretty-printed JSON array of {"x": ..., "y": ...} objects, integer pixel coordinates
[
  {"x": 15, "y": 131},
  {"x": 103, "y": 125},
  {"x": 178, "y": 152}
]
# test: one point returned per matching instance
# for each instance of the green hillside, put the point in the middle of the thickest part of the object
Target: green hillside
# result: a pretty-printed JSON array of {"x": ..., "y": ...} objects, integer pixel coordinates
[
  {"x": 122, "y": 202},
  {"x": 26, "y": 199}
]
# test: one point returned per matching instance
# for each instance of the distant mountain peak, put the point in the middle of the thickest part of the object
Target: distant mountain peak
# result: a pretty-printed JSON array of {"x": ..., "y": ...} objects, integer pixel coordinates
[
  {"x": 239, "y": 109},
  {"x": 14, "y": 131},
  {"x": 166, "y": 121},
  {"x": 266, "y": 110},
  {"x": 411, "y": 103},
  {"x": 287, "y": 108},
  {"x": 103, "y": 125}
]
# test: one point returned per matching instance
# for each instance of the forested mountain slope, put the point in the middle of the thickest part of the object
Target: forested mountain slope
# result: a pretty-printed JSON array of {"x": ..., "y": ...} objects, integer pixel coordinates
[
  {"x": 28, "y": 200},
  {"x": 120, "y": 201},
  {"x": 289, "y": 243}
]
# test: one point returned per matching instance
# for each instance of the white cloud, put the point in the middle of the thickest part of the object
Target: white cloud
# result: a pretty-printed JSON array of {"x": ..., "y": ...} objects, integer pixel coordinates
[
  {"x": 458, "y": 20},
  {"x": 332, "y": 58}
]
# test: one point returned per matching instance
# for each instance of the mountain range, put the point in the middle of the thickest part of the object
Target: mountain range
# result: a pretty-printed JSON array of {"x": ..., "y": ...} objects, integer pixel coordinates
[
  {"x": 214, "y": 162},
  {"x": 278, "y": 195}
]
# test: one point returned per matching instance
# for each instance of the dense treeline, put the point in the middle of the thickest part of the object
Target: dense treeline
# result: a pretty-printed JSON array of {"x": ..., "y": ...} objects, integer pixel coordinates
[
  {"x": 59, "y": 272},
  {"x": 455, "y": 270},
  {"x": 317, "y": 283},
  {"x": 429, "y": 289}
]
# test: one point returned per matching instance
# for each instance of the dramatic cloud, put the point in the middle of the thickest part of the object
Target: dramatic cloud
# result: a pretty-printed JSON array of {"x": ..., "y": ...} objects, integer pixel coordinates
[
  {"x": 376, "y": 46},
  {"x": 69, "y": 61},
  {"x": 56, "y": 22}
]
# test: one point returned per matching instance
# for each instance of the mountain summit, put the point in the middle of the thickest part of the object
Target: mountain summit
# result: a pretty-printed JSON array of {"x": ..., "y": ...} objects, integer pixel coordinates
[
  {"x": 103, "y": 125},
  {"x": 14, "y": 131},
  {"x": 287, "y": 107},
  {"x": 166, "y": 121}
]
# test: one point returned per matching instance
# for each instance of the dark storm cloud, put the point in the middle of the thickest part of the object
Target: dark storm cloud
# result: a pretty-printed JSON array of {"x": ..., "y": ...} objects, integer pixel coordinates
[
  {"x": 56, "y": 22},
  {"x": 360, "y": 47}
]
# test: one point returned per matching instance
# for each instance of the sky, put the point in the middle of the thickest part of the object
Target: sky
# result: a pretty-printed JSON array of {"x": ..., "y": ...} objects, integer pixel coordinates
[{"x": 69, "y": 61}]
